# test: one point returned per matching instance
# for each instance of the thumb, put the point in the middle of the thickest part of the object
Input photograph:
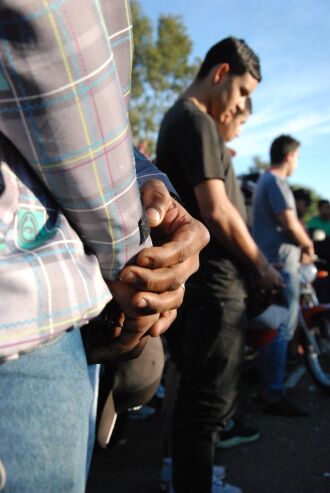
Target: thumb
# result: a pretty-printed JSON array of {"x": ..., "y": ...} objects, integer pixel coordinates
[
  {"x": 153, "y": 216},
  {"x": 156, "y": 201}
]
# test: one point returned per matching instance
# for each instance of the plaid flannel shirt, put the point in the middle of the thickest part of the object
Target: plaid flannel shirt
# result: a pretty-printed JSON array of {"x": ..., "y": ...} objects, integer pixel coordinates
[{"x": 69, "y": 198}]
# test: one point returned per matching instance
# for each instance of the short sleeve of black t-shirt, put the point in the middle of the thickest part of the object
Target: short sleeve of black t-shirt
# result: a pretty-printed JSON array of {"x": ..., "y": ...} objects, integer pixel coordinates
[
  {"x": 189, "y": 149},
  {"x": 201, "y": 150}
]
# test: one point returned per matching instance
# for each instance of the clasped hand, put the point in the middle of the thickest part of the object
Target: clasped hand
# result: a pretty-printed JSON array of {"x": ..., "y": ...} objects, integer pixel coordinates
[{"x": 150, "y": 290}]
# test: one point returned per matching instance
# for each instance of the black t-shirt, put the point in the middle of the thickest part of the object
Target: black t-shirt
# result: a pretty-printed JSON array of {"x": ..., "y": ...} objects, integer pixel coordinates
[{"x": 190, "y": 151}]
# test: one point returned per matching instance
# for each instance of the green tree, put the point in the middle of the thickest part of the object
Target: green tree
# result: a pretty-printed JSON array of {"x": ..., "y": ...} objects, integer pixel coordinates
[
  {"x": 161, "y": 70},
  {"x": 258, "y": 165},
  {"x": 312, "y": 209}
]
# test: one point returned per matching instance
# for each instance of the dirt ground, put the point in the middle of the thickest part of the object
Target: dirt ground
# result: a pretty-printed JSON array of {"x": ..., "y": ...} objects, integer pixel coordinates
[{"x": 292, "y": 456}]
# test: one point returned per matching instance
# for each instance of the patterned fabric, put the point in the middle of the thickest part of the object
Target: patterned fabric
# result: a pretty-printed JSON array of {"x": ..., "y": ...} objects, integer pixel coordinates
[
  {"x": 69, "y": 198},
  {"x": 148, "y": 171}
]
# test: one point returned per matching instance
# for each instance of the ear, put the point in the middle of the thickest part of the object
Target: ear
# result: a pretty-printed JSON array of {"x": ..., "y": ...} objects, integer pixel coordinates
[
  {"x": 227, "y": 118},
  {"x": 220, "y": 71},
  {"x": 289, "y": 156}
]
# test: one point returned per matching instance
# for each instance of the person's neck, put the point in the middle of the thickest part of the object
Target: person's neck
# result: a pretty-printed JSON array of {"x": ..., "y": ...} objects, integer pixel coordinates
[
  {"x": 196, "y": 94},
  {"x": 279, "y": 170}
]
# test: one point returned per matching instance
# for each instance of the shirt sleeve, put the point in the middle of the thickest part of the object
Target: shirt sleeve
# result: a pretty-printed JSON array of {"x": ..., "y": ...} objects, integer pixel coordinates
[
  {"x": 201, "y": 149},
  {"x": 63, "y": 106},
  {"x": 146, "y": 170},
  {"x": 278, "y": 195}
]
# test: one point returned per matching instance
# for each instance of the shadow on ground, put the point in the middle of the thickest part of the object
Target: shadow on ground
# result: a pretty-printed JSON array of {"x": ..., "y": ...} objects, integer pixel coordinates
[{"x": 292, "y": 456}]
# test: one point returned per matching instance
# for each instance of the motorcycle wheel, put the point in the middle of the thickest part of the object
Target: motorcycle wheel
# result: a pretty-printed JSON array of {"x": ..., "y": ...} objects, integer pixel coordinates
[{"x": 316, "y": 344}]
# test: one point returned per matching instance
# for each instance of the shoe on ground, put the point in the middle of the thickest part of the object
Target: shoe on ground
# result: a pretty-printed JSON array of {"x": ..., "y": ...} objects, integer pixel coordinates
[
  {"x": 236, "y": 434},
  {"x": 219, "y": 473},
  {"x": 166, "y": 474},
  {"x": 223, "y": 487},
  {"x": 283, "y": 407},
  {"x": 219, "y": 486}
]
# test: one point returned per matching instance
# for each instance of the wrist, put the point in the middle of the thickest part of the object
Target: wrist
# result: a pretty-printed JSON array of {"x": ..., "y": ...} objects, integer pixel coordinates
[
  {"x": 311, "y": 245},
  {"x": 307, "y": 246},
  {"x": 263, "y": 273},
  {"x": 262, "y": 266}
]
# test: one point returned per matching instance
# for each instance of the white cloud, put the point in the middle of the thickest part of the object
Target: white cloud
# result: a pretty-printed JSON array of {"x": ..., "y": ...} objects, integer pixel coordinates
[
  {"x": 264, "y": 128},
  {"x": 312, "y": 121}
]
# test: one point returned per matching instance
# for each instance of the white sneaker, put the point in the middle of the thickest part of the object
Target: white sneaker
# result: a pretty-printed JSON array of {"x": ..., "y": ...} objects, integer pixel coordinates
[
  {"x": 217, "y": 487},
  {"x": 219, "y": 473},
  {"x": 222, "y": 487}
]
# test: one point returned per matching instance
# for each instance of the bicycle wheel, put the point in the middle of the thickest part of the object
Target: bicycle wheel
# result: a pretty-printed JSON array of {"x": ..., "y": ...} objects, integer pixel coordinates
[{"x": 316, "y": 343}]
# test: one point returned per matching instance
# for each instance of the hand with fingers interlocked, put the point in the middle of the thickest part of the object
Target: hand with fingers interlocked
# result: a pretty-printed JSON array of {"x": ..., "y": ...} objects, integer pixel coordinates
[{"x": 150, "y": 290}]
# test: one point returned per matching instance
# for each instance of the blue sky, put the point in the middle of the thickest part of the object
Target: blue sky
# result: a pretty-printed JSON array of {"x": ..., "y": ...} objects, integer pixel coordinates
[{"x": 292, "y": 39}]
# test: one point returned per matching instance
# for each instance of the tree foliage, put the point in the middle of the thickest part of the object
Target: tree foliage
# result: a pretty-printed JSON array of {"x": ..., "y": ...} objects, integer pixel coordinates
[
  {"x": 312, "y": 209},
  {"x": 258, "y": 165},
  {"x": 161, "y": 70}
]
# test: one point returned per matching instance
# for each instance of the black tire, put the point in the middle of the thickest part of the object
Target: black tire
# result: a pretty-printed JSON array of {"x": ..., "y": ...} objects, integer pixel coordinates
[{"x": 317, "y": 352}]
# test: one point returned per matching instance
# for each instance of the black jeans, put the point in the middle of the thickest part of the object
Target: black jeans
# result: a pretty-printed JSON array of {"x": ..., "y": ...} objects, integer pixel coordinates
[{"x": 211, "y": 363}]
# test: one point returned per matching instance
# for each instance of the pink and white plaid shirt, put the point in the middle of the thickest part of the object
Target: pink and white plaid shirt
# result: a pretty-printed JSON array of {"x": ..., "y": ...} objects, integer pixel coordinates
[{"x": 69, "y": 198}]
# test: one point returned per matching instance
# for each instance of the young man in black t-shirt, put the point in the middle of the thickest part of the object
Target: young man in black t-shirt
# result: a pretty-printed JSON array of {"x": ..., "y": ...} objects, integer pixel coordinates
[{"x": 192, "y": 153}]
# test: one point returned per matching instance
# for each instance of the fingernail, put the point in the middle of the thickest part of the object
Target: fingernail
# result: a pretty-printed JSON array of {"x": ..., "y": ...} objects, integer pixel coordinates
[
  {"x": 146, "y": 262},
  {"x": 129, "y": 277},
  {"x": 153, "y": 215}
]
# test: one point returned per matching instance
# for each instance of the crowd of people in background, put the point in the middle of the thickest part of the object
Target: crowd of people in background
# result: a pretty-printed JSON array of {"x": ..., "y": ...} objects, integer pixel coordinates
[{"x": 83, "y": 289}]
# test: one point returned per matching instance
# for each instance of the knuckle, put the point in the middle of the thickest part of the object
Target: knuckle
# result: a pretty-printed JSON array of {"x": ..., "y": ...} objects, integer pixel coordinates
[
  {"x": 175, "y": 284},
  {"x": 182, "y": 256}
]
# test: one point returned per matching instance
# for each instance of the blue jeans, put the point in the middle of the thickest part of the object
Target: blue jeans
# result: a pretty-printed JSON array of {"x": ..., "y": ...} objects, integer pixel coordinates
[
  {"x": 94, "y": 375},
  {"x": 46, "y": 399},
  {"x": 291, "y": 293},
  {"x": 272, "y": 358},
  {"x": 211, "y": 363}
]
